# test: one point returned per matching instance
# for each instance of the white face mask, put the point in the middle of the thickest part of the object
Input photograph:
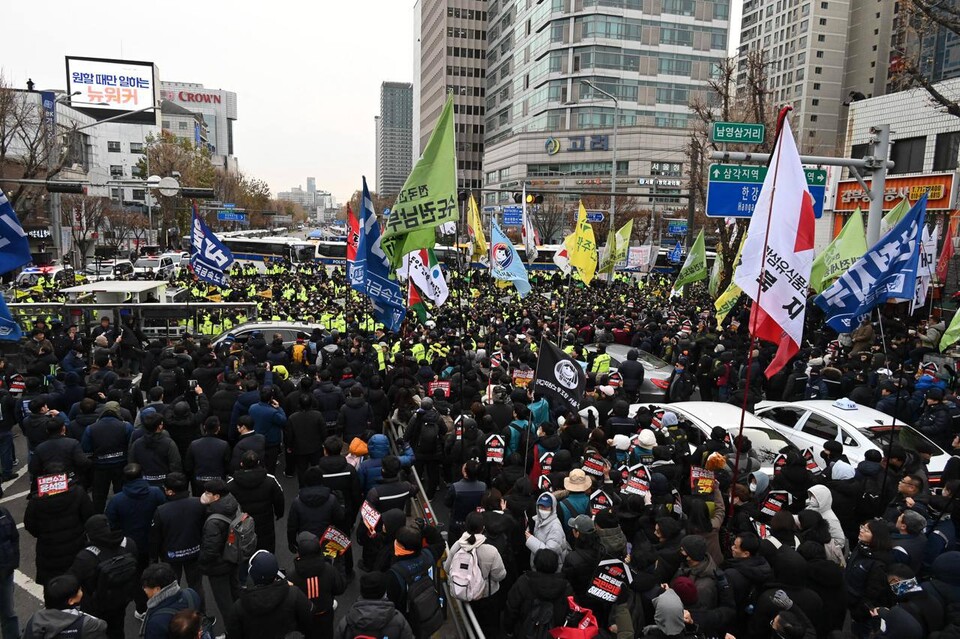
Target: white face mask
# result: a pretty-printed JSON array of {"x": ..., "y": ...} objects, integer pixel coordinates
[
  {"x": 206, "y": 499},
  {"x": 544, "y": 512}
]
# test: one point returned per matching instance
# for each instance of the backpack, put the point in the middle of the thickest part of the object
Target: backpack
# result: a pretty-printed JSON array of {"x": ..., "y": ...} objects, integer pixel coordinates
[
  {"x": 526, "y": 439},
  {"x": 298, "y": 353},
  {"x": 539, "y": 620},
  {"x": 167, "y": 379},
  {"x": 117, "y": 578},
  {"x": 423, "y": 600},
  {"x": 193, "y": 603},
  {"x": 465, "y": 578},
  {"x": 241, "y": 538},
  {"x": 429, "y": 441}
]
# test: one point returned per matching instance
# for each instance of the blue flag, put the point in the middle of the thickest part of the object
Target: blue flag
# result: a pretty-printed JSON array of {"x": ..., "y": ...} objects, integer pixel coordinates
[
  {"x": 211, "y": 258},
  {"x": 14, "y": 246},
  {"x": 9, "y": 329},
  {"x": 371, "y": 270},
  {"x": 676, "y": 253},
  {"x": 505, "y": 262},
  {"x": 886, "y": 271}
]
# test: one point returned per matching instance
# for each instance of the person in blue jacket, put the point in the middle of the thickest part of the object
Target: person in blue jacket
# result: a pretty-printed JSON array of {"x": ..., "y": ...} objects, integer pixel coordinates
[{"x": 379, "y": 447}]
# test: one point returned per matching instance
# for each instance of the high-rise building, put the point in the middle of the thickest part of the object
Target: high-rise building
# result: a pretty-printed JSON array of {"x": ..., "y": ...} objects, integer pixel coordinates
[
  {"x": 219, "y": 110},
  {"x": 394, "y": 136},
  {"x": 545, "y": 122},
  {"x": 452, "y": 58},
  {"x": 311, "y": 185}
]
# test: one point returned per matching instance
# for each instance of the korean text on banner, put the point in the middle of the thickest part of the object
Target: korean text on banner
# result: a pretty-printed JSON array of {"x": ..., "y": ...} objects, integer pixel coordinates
[
  {"x": 582, "y": 247},
  {"x": 211, "y": 258},
  {"x": 840, "y": 254},
  {"x": 371, "y": 271}
]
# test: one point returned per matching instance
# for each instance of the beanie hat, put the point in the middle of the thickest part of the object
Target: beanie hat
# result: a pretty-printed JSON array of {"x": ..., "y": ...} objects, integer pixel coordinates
[
  {"x": 112, "y": 408},
  {"x": 695, "y": 547},
  {"x": 409, "y": 538},
  {"x": 686, "y": 589},
  {"x": 935, "y": 394},
  {"x": 659, "y": 485},
  {"x": 647, "y": 439},
  {"x": 621, "y": 442},
  {"x": 373, "y": 585},
  {"x": 215, "y": 487},
  {"x": 263, "y": 568},
  {"x": 308, "y": 544}
]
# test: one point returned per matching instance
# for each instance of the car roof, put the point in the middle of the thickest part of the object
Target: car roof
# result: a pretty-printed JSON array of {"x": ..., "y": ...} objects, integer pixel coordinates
[
  {"x": 714, "y": 414},
  {"x": 858, "y": 416},
  {"x": 271, "y": 326}
]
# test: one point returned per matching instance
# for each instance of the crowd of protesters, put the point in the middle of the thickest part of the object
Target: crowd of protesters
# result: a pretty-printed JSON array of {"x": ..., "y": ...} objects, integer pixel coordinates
[{"x": 154, "y": 472}]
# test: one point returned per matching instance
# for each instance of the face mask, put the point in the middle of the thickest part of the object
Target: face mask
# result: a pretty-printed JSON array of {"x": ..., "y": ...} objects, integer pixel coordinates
[
  {"x": 206, "y": 499},
  {"x": 544, "y": 512},
  {"x": 678, "y": 370}
]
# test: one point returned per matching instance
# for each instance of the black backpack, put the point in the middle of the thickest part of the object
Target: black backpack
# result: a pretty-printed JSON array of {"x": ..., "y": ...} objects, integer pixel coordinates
[
  {"x": 117, "y": 577},
  {"x": 539, "y": 620},
  {"x": 168, "y": 380},
  {"x": 423, "y": 600},
  {"x": 428, "y": 443}
]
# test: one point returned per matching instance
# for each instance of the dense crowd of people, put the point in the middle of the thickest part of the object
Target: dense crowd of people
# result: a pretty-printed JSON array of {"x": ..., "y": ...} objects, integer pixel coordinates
[{"x": 154, "y": 470}]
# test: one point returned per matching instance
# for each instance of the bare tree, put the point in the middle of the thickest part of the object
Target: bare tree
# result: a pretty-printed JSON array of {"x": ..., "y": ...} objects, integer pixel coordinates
[
  {"x": 125, "y": 224},
  {"x": 552, "y": 218},
  {"x": 84, "y": 216},
  {"x": 920, "y": 19}
]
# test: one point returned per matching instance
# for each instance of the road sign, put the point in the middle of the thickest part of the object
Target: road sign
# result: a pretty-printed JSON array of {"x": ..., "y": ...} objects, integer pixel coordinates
[
  {"x": 676, "y": 227},
  {"x": 595, "y": 216},
  {"x": 229, "y": 205},
  {"x": 512, "y": 215},
  {"x": 231, "y": 216},
  {"x": 733, "y": 189},
  {"x": 738, "y": 132}
]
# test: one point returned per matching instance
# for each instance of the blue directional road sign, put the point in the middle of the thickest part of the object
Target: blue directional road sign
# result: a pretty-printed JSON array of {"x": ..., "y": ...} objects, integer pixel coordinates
[
  {"x": 676, "y": 227},
  {"x": 512, "y": 216},
  {"x": 595, "y": 216},
  {"x": 733, "y": 189},
  {"x": 232, "y": 216}
]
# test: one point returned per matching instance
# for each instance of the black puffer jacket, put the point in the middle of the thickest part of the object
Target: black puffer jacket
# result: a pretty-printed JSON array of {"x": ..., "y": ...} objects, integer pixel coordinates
[
  {"x": 184, "y": 418},
  {"x": 313, "y": 510},
  {"x": 269, "y": 612},
  {"x": 104, "y": 545},
  {"x": 57, "y": 521},
  {"x": 530, "y": 587},
  {"x": 373, "y": 617},
  {"x": 260, "y": 495},
  {"x": 221, "y": 406},
  {"x": 214, "y": 536},
  {"x": 305, "y": 432},
  {"x": 355, "y": 417},
  {"x": 329, "y": 400}
]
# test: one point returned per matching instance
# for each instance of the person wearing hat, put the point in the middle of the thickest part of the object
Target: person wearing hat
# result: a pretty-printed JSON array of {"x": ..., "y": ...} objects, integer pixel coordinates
[
  {"x": 269, "y": 606},
  {"x": 577, "y": 502},
  {"x": 60, "y": 615},
  {"x": 222, "y": 576},
  {"x": 318, "y": 579},
  {"x": 700, "y": 567},
  {"x": 58, "y": 449},
  {"x": 107, "y": 441},
  {"x": 681, "y": 384},
  {"x": 936, "y": 421},
  {"x": 372, "y": 614},
  {"x": 581, "y": 562},
  {"x": 412, "y": 561},
  {"x": 547, "y": 530}
]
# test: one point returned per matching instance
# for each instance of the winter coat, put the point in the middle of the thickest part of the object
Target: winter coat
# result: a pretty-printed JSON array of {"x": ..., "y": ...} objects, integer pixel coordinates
[
  {"x": 374, "y": 617},
  {"x": 377, "y": 448},
  {"x": 176, "y": 529},
  {"x": 50, "y": 623},
  {"x": 866, "y": 579},
  {"x": 57, "y": 522},
  {"x": 157, "y": 455},
  {"x": 269, "y": 612},
  {"x": 315, "y": 508},
  {"x": 329, "y": 400},
  {"x": 305, "y": 432},
  {"x": 744, "y": 575},
  {"x": 703, "y": 577},
  {"x": 530, "y": 587},
  {"x": 250, "y": 441},
  {"x": 269, "y": 422},
  {"x": 213, "y": 537},
  {"x": 62, "y": 451},
  {"x": 548, "y": 533},
  {"x": 162, "y": 607},
  {"x": 820, "y": 499},
  {"x": 132, "y": 511},
  {"x": 321, "y": 582},
  {"x": 104, "y": 544},
  {"x": 488, "y": 560},
  {"x": 355, "y": 416},
  {"x": 260, "y": 496}
]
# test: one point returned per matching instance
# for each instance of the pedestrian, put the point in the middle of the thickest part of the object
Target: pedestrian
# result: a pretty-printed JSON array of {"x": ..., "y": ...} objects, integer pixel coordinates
[
  {"x": 426, "y": 431},
  {"x": 489, "y": 601},
  {"x": 546, "y": 530},
  {"x": 372, "y": 615},
  {"x": 259, "y": 494},
  {"x": 176, "y": 529},
  {"x": 304, "y": 435},
  {"x": 61, "y": 615},
  {"x": 269, "y": 420},
  {"x": 9, "y": 563},
  {"x": 207, "y": 457},
  {"x": 248, "y": 439},
  {"x": 463, "y": 497},
  {"x": 56, "y": 520},
  {"x": 185, "y": 417},
  {"x": 313, "y": 509},
  {"x": 220, "y": 568},
  {"x": 154, "y": 451},
  {"x": 317, "y": 577},
  {"x": 342, "y": 478},
  {"x": 165, "y": 599},
  {"x": 107, "y": 441},
  {"x": 537, "y": 602},
  {"x": 271, "y": 607},
  {"x": 409, "y": 584}
]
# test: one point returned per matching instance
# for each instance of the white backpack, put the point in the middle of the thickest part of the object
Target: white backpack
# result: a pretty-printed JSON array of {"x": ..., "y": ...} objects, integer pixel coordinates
[{"x": 465, "y": 578}]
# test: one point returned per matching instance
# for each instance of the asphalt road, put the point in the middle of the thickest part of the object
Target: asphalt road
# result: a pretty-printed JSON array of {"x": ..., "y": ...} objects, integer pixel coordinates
[{"x": 28, "y": 597}]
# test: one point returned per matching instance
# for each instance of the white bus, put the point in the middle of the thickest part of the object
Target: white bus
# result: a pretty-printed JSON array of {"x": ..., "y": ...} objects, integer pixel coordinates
[
  {"x": 260, "y": 251},
  {"x": 334, "y": 253}
]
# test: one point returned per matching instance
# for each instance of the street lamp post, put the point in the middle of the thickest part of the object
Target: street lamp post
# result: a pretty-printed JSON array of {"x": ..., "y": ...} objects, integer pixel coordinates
[{"x": 613, "y": 168}]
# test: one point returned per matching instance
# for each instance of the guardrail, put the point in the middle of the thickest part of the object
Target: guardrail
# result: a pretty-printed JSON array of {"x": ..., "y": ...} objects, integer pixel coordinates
[{"x": 462, "y": 612}]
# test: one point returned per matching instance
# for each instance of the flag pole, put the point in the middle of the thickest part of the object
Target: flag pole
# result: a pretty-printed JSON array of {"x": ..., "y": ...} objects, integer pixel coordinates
[{"x": 756, "y": 303}]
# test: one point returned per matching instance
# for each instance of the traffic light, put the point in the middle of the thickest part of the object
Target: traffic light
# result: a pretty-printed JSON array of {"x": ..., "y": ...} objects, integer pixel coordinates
[
  {"x": 518, "y": 198},
  {"x": 534, "y": 198},
  {"x": 66, "y": 187},
  {"x": 197, "y": 194}
]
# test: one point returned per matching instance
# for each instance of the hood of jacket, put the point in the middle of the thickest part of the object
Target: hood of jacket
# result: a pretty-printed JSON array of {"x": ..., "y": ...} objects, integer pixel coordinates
[
  {"x": 790, "y": 568},
  {"x": 250, "y": 477},
  {"x": 668, "y": 613},
  {"x": 378, "y": 446},
  {"x": 227, "y": 505},
  {"x": 263, "y": 600},
  {"x": 543, "y": 521},
  {"x": 49, "y": 623},
  {"x": 757, "y": 570},
  {"x": 819, "y": 498},
  {"x": 100, "y": 534},
  {"x": 465, "y": 544},
  {"x": 869, "y": 468},
  {"x": 168, "y": 362},
  {"x": 314, "y": 495},
  {"x": 371, "y": 613},
  {"x": 392, "y": 521},
  {"x": 763, "y": 482},
  {"x": 355, "y": 402},
  {"x": 547, "y": 587},
  {"x": 613, "y": 540},
  {"x": 136, "y": 489}
]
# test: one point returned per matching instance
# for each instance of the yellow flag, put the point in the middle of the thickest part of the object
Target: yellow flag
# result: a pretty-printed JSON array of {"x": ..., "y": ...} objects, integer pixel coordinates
[
  {"x": 582, "y": 247},
  {"x": 478, "y": 240},
  {"x": 268, "y": 293},
  {"x": 215, "y": 298},
  {"x": 728, "y": 299}
]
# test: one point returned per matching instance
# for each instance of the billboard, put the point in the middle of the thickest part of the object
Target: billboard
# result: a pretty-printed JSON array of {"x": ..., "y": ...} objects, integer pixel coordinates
[
  {"x": 940, "y": 189},
  {"x": 109, "y": 88}
]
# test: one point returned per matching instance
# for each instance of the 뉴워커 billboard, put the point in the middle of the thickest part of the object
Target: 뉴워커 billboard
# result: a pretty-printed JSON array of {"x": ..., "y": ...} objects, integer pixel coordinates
[{"x": 109, "y": 88}]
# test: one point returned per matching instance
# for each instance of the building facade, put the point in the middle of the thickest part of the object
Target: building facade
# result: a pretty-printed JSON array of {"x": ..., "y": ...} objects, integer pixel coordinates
[
  {"x": 219, "y": 110},
  {"x": 452, "y": 58},
  {"x": 546, "y": 125},
  {"x": 394, "y": 130}
]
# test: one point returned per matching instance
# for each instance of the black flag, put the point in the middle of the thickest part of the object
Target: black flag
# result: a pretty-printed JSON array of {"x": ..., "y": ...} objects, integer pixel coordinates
[{"x": 560, "y": 376}]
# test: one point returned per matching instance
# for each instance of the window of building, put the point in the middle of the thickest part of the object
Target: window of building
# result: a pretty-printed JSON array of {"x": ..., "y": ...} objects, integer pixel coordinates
[
  {"x": 946, "y": 151},
  {"x": 821, "y": 38},
  {"x": 819, "y": 54},
  {"x": 813, "y": 118},
  {"x": 136, "y": 147},
  {"x": 182, "y": 126},
  {"x": 116, "y": 194},
  {"x": 816, "y": 86},
  {"x": 824, "y": 5},
  {"x": 139, "y": 195},
  {"x": 907, "y": 155},
  {"x": 817, "y": 70},
  {"x": 816, "y": 102},
  {"x": 823, "y": 22},
  {"x": 113, "y": 146}
]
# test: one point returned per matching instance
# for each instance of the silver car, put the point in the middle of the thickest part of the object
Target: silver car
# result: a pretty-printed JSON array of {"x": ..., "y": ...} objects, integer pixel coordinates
[
  {"x": 656, "y": 372},
  {"x": 287, "y": 330}
]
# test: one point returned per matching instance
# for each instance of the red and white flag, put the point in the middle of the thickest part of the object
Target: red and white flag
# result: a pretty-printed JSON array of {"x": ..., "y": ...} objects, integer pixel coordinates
[
  {"x": 943, "y": 263},
  {"x": 778, "y": 252},
  {"x": 353, "y": 234},
  {"x": 422, "y": 267}
]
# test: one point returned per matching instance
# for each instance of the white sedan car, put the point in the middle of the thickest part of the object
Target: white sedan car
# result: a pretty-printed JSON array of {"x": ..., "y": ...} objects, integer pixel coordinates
[
  {"x": 701, "y": 417},
  {"x": 859, "y": 428}
]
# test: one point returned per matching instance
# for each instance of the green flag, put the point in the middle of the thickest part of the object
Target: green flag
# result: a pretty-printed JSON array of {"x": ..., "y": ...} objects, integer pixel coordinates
[
  {"x": 842, "y": 252},
  {"x": 620, "y": 244},
  {"x": 716, "y": 274},
  {"x": 952, "y": 333},
  {"x": 695, "y": 266},
  {"x": 890, "y": 219},
  {"x": 428, "y": 197}
]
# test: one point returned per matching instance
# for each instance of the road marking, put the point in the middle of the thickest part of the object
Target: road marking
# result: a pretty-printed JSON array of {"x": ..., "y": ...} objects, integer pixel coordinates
[
  {"x": 29, "y": 586},
  {"x": 14, "y": 496},
  {"x": 20, "y": 526}
]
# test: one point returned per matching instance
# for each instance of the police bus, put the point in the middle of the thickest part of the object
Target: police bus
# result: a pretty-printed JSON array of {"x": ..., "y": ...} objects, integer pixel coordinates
[{"x": 261, "y": 251}]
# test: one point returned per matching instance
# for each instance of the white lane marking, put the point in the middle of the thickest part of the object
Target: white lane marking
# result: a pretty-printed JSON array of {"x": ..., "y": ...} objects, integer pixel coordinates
[
  {"x": 14, "y": 496},
  {"x": 29, "y": 586}
]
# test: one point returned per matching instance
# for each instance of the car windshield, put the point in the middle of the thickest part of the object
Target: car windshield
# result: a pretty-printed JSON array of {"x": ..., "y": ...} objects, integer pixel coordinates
[
  {"x": 767, "y": 443},
  {"x": 148, "y": 263},
  {"x": 304, "y": 254},
  {"x": 907, "y": 436},
  {"x": 102, "y": 269},
  {"x": 649, "y": 361}
]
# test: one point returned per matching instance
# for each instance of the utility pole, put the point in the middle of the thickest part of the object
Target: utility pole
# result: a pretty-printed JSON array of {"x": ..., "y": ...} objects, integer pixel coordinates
[
  {"x": 878, "y": 183},
  {"x": 694, "y": 180}
]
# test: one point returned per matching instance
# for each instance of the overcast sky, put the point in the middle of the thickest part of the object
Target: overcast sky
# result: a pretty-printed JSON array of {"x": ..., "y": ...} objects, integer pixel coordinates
[{"x": 307, "y": 75}]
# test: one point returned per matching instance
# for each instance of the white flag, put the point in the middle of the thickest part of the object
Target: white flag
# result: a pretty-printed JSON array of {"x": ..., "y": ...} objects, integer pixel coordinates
[
  {"x": 927, "y": 267},
  {"x": 527, "y": 232},
  {"x": 422, "y": 267}
]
